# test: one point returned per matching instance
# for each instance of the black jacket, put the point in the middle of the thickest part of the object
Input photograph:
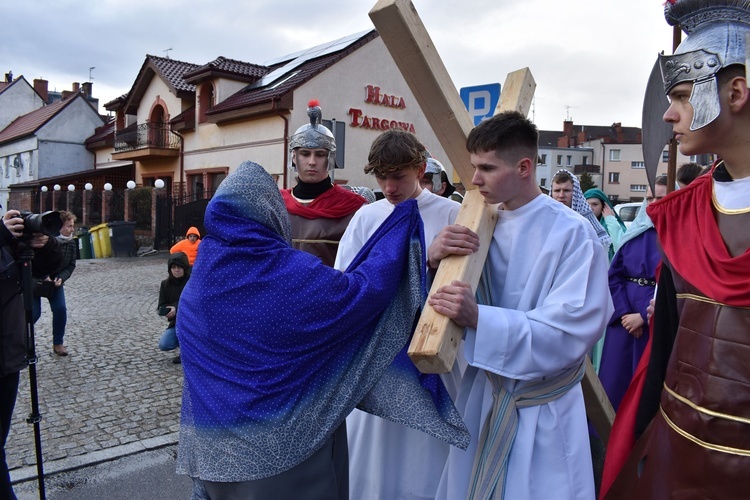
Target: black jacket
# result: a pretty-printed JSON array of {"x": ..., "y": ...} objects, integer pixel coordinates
[
  {"x": 171, "y": 288},
  {"x": 13, "y": 343}
]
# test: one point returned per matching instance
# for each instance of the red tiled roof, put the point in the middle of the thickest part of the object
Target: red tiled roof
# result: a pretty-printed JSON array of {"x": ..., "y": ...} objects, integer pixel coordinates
[
  {"x": 170, "y": 70},
  {"x": 250, "y": 96},
  {"x": 3, "y": 85},
  {"x": 185, "y": 120},
  {"x": 102, "y": 133},
  {"x": 173, "y": 71},
  {"x": 29, "y": 123},
  {"x": 229, "y": 67}
]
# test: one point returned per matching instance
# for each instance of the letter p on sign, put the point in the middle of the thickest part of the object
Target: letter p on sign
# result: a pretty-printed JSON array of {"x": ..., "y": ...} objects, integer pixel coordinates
[{"x": 481, "y": 101}]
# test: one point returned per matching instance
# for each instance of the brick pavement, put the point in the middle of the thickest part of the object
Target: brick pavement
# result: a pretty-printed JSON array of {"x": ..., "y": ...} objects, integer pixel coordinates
[{"x": 115, "y": 393}]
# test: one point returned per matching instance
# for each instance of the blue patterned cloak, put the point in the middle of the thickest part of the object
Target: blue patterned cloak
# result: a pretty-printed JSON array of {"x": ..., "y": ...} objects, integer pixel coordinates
[{"x": 278, "y": 348}]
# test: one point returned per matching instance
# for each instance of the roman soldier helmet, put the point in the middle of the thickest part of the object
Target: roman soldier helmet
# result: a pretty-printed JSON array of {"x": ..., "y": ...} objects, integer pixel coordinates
[
  {"x": 716, "y": 32},
  {"x": 313, "y": 136},
  {"x": 434, "y": 168}
]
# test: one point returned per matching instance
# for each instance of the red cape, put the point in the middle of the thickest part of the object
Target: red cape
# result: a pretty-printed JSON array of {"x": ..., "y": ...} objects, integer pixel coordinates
[
  {"x": 622, "y": 436},
  {"x": 335, "y": 203},
  {"x": 694, "y": 246}
]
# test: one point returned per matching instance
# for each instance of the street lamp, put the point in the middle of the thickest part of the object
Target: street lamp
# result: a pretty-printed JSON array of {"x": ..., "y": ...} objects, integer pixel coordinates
[
  {"x": 158, "y": 183},
  {"x": 71, "y": 187},
  {"x": 108, "y": 186},
  {"x": 131, "y": 185},
  {"x": 45, "y": 189},
  {"x": 56, "y": 187},
  {"x": 88, "y": 186}
]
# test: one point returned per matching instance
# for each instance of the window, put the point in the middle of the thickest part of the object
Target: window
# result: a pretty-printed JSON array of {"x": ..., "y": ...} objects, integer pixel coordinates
[
  {"x": 665, "y": 156},
  {"x": 614, "y": 155},
  {"x": 569, "y": 160},
  {"x": 216, "y": 179},
  {"x": 559, "y": 160},
  {"x": 543, "y": 182},
  {"x": 206, "y": 101},
  {"x": 585, "y": 160},
  {"x": 196, "y": 186},
  {"x": 637, "y": 164},
  {"x": 639, "y": 188},
  {"x": 543, "y": 159},
  {"x": 614, "y": 177}
]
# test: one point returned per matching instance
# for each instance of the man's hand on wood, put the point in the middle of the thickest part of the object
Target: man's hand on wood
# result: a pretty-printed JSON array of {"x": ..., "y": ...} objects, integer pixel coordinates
[
  {"x": 452, "y": 240},
  {"x": 456, "y": 301}
]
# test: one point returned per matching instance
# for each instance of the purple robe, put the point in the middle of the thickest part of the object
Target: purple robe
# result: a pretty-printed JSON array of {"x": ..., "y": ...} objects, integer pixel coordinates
[{"x": 637, "y": 258}]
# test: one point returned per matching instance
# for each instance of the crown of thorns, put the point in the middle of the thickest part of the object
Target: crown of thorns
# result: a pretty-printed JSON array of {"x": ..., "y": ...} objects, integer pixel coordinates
[{"x": 383, "y": 168}]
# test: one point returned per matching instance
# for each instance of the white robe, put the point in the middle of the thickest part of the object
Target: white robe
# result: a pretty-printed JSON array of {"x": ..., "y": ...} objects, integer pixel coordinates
[
  {"x": 389, "y": 461},
  {"x": 551, "y": 303}
]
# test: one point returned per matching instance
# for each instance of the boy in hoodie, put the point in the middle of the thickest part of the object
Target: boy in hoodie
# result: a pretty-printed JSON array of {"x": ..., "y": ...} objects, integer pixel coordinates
[
  {"x": 169, "y": 295},
  {"x": 189, "y": 245}
]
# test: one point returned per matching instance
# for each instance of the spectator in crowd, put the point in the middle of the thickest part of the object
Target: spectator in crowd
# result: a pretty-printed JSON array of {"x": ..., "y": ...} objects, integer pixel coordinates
[
  {"x": 189, "y": 245},
  {"x": 632, "y": 281},
  {"x": 13, "y": 328},
  {"x": 170, "y": 290},
  {"x": 608, "y": 218},
  {"x": 436, "y": 180},
  {"x": 687, "y": 173},
  {"x": 566, "y": 188},
  {"x": 56, "y": 297}
]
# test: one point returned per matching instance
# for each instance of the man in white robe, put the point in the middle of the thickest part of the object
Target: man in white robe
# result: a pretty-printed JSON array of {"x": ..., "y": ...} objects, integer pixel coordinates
[
  {"x": 388, "y": 460},
  {"x": 545, "y": 286}
]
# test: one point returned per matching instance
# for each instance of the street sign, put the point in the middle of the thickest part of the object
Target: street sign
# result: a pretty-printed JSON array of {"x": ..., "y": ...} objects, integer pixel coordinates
[{"x": 481, "y": 101}]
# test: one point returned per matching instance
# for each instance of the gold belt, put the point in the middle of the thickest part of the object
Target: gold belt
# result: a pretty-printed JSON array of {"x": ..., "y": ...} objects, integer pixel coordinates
[{"x": 706, "y": 411}]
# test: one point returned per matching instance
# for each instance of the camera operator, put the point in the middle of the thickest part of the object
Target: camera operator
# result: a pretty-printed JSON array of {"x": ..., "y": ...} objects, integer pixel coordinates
[{"x": 13, "y": 329}]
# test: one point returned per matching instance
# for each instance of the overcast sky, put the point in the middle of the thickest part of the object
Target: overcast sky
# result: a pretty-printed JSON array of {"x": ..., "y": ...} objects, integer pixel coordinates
[{"x": 590, "y": 59}]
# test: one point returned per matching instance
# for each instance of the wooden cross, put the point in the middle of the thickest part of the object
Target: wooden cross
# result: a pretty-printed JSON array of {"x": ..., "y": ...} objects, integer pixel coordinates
[{"x": 435, "y": 343}]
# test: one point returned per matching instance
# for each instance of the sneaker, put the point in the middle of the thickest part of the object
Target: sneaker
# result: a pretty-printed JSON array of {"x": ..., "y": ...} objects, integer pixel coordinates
[
  {"x": 60, "y": 350},
  {"x": 176, "y": 360}
]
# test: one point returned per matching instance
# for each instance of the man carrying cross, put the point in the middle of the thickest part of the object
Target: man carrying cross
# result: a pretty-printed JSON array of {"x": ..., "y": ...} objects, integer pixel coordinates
[{"x": 544, "y": 303}]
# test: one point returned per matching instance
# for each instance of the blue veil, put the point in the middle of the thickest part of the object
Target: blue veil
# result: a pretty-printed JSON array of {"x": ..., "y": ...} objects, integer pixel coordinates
[{"x": 277, "y": 348}]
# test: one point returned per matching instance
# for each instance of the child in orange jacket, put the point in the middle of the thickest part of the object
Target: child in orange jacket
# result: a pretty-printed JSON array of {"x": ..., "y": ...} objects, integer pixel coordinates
[{"x": 189, "y": 245}]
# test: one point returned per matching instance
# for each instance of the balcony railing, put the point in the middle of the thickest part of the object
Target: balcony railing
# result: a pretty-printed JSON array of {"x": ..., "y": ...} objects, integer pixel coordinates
[{"x": 146, "y": 135}]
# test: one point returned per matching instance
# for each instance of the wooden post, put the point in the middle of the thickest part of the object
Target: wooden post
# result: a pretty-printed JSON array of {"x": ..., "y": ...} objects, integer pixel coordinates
[{"x": 435, "y": 342}]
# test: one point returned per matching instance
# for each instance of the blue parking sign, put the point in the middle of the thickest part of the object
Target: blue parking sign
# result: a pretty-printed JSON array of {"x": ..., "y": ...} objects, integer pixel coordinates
[{"x": 481, "y": 101}]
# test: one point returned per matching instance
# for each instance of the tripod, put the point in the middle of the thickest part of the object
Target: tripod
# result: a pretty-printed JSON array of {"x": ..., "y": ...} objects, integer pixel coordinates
[{"x": 26, "y": 258}]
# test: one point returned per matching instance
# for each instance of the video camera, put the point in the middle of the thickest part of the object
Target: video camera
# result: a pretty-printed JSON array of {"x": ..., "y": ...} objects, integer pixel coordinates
[{"x": 48, "y": 223}]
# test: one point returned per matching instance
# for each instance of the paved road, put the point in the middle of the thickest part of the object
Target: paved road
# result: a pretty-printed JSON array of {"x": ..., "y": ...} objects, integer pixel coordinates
[{"x": 116, "y": 394}]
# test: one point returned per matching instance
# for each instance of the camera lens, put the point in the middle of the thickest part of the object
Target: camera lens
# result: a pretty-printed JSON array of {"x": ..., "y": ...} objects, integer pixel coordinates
[{"x": 48, "y": 223}]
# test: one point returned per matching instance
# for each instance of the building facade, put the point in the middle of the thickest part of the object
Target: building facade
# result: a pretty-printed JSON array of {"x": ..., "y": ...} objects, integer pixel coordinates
[{"x": 192, "y": 125}]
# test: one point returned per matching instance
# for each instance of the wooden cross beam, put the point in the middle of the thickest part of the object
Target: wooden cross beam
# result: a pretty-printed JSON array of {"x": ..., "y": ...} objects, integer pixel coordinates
[{"x": 435, "y": 343}]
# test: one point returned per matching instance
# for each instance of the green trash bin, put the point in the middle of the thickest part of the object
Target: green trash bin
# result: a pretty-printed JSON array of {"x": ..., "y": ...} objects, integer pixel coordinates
[
  {"x": 84, "y": 243},
  {"x": 100, "y": 241},
  {"x": 122, "y": 238}
]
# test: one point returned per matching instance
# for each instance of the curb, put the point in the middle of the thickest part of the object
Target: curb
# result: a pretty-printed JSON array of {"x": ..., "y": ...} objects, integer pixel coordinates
[{"x": 68, "y": 464}]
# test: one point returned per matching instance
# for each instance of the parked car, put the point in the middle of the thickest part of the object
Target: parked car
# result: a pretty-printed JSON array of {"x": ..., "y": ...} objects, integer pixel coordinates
[{"x": 628, "y": 211}]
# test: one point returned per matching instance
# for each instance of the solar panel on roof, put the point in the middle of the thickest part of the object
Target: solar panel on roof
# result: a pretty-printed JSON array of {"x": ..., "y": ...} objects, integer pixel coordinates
[{"x": 298, "y": 58}]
